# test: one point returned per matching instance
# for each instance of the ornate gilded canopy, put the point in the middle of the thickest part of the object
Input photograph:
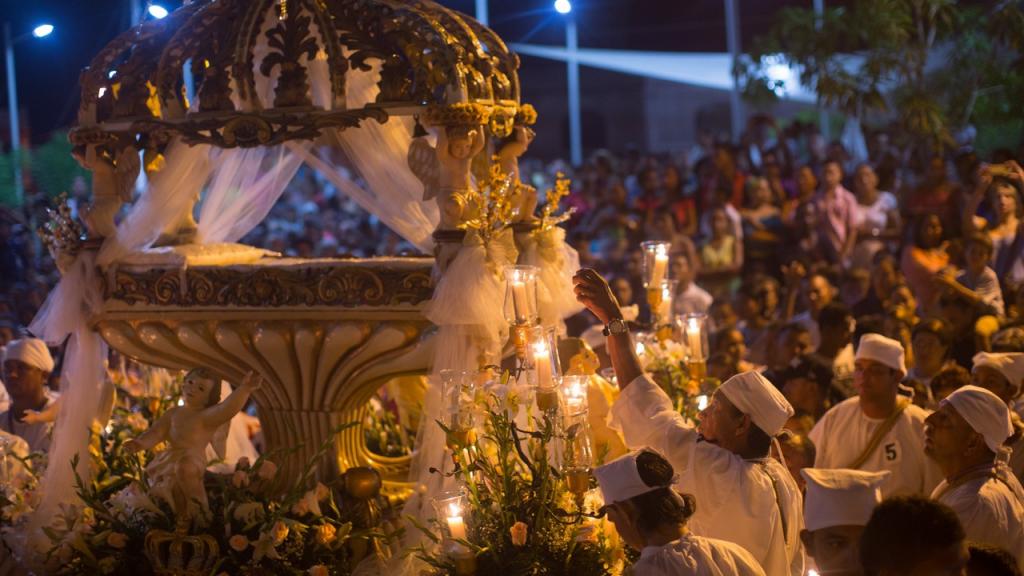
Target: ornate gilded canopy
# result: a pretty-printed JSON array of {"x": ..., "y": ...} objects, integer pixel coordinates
[{"x": 134, "y": 90}]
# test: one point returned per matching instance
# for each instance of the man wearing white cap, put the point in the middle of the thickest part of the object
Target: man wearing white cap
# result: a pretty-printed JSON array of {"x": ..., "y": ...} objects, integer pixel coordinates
[
  {"x": 836, "y": 510},
  {"x": 745, "y": 496},
  {"x": 652, "y": 517},
  {"x": 878, "y": 429},
  {"x": 26, "y": 366},
  {"x": 965, "y": 436},
  {"x": 1003, "y": 375}
]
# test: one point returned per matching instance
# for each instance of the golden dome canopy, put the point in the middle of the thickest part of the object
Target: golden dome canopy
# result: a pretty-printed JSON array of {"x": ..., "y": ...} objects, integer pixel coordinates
[{"x": 250, "y": 61}]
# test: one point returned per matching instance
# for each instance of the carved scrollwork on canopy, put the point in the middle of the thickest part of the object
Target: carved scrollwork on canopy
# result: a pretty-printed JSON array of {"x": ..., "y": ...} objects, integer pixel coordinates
[
  {"x": 428, "y": 54},
  {"x": 349, "y": 286}
]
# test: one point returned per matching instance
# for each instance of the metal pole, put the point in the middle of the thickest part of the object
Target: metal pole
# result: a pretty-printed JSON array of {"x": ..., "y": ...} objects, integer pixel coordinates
[
  {"x": 481, "y": 12},
  {"x": 135, "y": 7},
  {"x": 575, "y": 131},
  {"x": 732, "y": 35},
  {"x": 819, "y": 13},
  {"x": 12, "y": 109}
]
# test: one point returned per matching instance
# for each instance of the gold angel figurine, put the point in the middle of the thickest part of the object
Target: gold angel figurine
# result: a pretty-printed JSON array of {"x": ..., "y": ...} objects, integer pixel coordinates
[
  {"x": 446, "y": 171},
  {"x": 176, "y": 474}
]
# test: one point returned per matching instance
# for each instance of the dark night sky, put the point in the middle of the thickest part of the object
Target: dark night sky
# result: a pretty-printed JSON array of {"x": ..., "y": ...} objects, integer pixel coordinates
[{"x": 47, "y": 69}]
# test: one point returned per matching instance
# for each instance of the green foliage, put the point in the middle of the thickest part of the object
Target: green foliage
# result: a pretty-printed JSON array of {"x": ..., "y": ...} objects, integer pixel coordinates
[
  {"x": 511, "y": 484},
  {"x": 53, "y": 167},
  {"x": 934, "y": 64}
]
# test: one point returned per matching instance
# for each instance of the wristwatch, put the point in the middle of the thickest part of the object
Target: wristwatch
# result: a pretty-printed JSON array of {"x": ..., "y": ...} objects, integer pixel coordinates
[{"x": 615, "y": 327}]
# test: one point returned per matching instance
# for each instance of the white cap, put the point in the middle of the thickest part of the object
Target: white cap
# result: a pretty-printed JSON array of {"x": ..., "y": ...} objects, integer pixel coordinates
[
  {"x": 752, "y": 394},
  {"x": 984, "y": 412},
  {"x": 1009, "y": 364},
  {"x": 619, "y": 479},
  {"x": 840, "y": 497},
  {"x": 882, "y": 350},
  {"x": 31, "y": 351}
]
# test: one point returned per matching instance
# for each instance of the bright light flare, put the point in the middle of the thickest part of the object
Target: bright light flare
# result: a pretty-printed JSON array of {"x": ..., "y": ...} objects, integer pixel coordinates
[
  {"x": 157, "y": 11},
  {"x": 42, "y": 31},
  {"x": 563, "y": 6}
]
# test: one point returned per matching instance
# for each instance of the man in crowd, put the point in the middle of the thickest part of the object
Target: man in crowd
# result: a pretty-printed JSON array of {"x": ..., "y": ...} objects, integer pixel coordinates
[
  {"x": 838, "y": 506},
  {"x": 913, "y": 536},
  {"x": 878, "y": 429},
  {"x": 746, "y": 496},
  {"x": 964, "y": 436},
  {"x": 818, "y": 293},
  {"x": 26, "y": 367},
  {"x": 1002, "y": 374}
]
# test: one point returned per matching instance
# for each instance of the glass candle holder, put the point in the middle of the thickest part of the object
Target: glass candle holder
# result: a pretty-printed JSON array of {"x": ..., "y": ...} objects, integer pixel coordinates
[
  {"x": 451, "y": 509},
  {"x": 546, "y": 368},
  {"x": 458, "y": 388},
  {"x": 655, "y": 262},
  {"x": 520, "y": 307},
  {"x": 577, "y": 454},
  {"x": 574, "y": 394},
  {"x": 661, "y": 302},
  {"x": 694, "y": 331}
]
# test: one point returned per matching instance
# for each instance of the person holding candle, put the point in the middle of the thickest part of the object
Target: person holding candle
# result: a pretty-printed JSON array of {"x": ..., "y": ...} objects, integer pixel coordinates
[
  {"x": 650, "y": 516},
  {"x": 746, "y": 496}
]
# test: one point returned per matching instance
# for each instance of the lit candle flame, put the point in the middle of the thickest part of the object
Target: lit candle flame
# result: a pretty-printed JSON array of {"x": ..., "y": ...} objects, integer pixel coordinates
[
  {"x": 702, "y": 402},
  {"x": 640, "y": 349},
  {"x": 454, "y": 510}
]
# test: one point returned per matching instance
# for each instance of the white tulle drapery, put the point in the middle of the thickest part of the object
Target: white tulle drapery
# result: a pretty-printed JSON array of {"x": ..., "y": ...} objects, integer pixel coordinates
[
  {"x": 547, "y": 249},
  {"x": 245, "y": 186}
]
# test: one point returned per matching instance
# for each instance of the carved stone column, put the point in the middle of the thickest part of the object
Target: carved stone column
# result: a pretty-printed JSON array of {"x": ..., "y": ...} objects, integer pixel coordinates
[{"x": 325, "y": 334}]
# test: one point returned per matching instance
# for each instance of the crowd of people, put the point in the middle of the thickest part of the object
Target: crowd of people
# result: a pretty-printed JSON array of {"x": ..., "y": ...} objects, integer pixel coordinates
[{"x": 871, "y": 307}]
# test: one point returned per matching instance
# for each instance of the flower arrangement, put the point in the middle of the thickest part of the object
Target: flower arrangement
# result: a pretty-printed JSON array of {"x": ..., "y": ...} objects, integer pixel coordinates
[
  {"x": 522, "y": 515},
  {"x": 259, "y": 522},
  {"x": 666, "y": 362}
]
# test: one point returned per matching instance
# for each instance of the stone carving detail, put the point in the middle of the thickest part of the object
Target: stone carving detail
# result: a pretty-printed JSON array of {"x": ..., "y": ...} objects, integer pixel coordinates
[{"x": 270, "y": 287}]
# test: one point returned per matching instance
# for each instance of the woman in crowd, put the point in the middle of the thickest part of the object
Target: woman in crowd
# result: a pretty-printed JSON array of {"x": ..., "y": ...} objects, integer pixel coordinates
[{"x": 923, "y": 259}]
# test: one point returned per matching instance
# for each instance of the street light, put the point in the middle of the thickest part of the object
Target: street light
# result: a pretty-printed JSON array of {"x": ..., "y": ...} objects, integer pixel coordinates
[
  {"x": 40, "y": 31},
  {"x": 157, "y": 11},
  {"x": 573, "y": 70}
]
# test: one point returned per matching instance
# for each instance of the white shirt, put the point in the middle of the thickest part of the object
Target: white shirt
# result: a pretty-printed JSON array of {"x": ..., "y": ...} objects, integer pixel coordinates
[
  {"x": 877, "y": 214},
  {"x": 990, "y": 509},
  {"x": 696, "y": 556},
  {"x": 753, "y": 503},
  {"x": 37, "y": 435},
  {"x": 844, "y": 431},
  {"x": 693, "y": 300}
]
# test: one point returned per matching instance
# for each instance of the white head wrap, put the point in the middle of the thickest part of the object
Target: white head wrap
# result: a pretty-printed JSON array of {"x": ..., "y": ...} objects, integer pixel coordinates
[
  {"x": 882, "y": 350},
  {"x": 1009, "y": 364},
  {"x": 984, "y": 412},
  {"x": 752, "y": 394},
  {"x": 840, "y": 497},
  {"x": 31, "y": 351},
  {"x": 619, "y": 479}
]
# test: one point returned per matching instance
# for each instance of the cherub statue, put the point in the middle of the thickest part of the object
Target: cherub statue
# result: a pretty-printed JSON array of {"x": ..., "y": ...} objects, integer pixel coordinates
[
  {"x": 176, "y": 474},
  {"x": 445, "y": 171},
  {"x": 525, "y": 198},
  {"x": 113, "y": 179}
]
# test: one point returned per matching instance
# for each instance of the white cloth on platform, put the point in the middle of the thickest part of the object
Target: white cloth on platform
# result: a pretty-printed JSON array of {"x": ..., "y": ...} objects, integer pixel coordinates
[
  {"x": 991, "y": 509},
  {"x": 696, "y": 556},
  {"x": 844, "y": 432},
  {"x": 753, "y": 503}
]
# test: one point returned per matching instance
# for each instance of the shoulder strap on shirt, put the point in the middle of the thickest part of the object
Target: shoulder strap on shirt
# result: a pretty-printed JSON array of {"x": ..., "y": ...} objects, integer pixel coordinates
[{"x": 901, "y": 404}]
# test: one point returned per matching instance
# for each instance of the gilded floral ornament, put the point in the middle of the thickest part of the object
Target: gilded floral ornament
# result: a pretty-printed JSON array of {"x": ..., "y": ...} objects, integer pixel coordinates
[{"x": 461, "y": 114}]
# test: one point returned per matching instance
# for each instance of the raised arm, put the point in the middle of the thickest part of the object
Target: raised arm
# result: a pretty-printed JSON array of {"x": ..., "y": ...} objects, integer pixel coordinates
[
  {"x": 223, "y": 412},
  {"x": 593, "y": 292}
]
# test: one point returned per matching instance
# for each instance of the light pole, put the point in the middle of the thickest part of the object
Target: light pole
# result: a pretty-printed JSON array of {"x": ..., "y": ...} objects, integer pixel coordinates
[
  {"x": 481, "y": 12},
  {"x": 573, "y": 69},
  {"x": 12, "y": 101},
  {"x": 819, "y": 16},
  {"x": 732, "y": 36}
]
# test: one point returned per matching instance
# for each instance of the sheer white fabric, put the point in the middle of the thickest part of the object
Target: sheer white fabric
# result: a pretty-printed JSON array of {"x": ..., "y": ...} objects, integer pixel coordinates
[
  {"x": 558, "y": 262},
  {"x": 245, "y": 186}
]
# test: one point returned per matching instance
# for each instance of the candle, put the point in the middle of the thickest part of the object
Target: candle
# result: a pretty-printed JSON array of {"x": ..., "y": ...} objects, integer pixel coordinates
[
  {"x": 693, "y": 339},
  {"x": 665, "y": 306},
  {"x": 577, "y": 481},
  {"x": 660, "y": 265},
  {"x": 456, "y": 526},
  {"x": 521, "y": 302},
  {"x": 702, "y": 402},
  {"x": 575, "y": 394},
  {"x": 542, "y": 362}
]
